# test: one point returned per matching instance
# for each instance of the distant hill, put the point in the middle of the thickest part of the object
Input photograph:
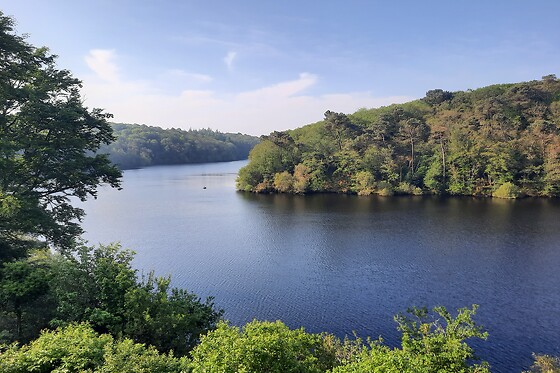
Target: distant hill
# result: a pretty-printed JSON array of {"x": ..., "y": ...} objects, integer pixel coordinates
[
  {"x": 502, "y": 141},
  {"x": 140, "y": 145}
]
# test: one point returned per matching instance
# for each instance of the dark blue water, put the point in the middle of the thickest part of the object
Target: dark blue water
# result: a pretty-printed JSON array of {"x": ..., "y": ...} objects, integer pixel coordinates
[{"x": 344, "y": 263}]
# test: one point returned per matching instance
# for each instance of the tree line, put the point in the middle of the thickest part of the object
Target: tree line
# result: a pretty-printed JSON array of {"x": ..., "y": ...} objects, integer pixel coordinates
[
  {"x": 67, "y": 307},
  {"x": 141, "y": 145},
  {"x": 502, "y": 140}
]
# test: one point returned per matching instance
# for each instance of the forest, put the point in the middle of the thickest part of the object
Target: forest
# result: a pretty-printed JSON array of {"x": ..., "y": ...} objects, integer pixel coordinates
[
  {"x": 502, "y": 141},
  {"x": 69, "y": 307},
  {"x": 141, "y": 145}
]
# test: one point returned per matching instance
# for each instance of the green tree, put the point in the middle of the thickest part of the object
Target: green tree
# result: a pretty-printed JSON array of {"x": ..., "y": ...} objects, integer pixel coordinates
[
  {"x": 78, "y": 348},
  {"x": 99, "y": 286},
  {"x": 364, "y": 183},
  {"x": 460, "y": 143},
  {"x": 141, "y": 145},
  {"x": 339, "y": 126},
  {"x": 301, "y": 178},
  {"x": 435, "y": 178},
  {"x": 266, "y": 159},
  {"x": 261, "y": 346},
  {"x": 92, "y": 287},
  {"x": 49, "y": 140},
  {"x": 25, "y": 303},
  {"x": 428, "y": 346},
  {"x": 437, "y": 96},
  {"x": 412, "y": 131},
  {"x": 283, "y": 182},
  {"x": 169, "y": 318}
]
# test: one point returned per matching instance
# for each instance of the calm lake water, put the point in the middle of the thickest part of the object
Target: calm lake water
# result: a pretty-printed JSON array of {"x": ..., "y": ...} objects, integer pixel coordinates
[{"x": 344, "y": 263}]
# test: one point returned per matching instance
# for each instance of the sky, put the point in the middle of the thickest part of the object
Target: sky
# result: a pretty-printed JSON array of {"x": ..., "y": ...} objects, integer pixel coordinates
[{"x": 258, "y": 66}]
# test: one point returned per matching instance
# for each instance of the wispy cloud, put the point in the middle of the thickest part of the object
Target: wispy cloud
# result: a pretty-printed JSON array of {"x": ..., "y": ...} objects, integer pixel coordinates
[
  {"x": 229, "y": 58},
  {"x": 280, "y": 106},
  {"x": 102, "y": 62},
  {"x": 194, "y": 77}
]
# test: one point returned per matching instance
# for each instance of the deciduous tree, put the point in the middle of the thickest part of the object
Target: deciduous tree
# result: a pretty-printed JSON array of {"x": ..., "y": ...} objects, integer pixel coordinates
[{"x": 48, "y": 140}]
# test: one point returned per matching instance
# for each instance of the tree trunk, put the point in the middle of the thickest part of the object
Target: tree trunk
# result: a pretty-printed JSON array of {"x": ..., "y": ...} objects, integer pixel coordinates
[
  {"x": 412, "y": 155},
  {"x": 442, "y": 157},
  {"x": 18, "y": 323}
]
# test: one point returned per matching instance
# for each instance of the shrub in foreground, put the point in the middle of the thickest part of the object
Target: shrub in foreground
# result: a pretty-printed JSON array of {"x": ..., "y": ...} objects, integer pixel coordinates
[
  {"x": 78, "y": 348},
  {"x": 260, "y": 346}
]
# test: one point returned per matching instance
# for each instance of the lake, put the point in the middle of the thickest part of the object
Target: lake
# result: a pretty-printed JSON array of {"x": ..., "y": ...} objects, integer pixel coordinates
[{"x": 341, "y": 263}]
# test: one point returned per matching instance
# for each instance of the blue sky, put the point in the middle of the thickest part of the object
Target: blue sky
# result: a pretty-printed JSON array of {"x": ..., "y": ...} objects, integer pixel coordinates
[{"x": 259, "y": 66}]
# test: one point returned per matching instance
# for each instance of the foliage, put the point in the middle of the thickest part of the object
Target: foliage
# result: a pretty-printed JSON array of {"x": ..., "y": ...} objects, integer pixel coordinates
[
  {"x": 48, "y": 143},
  {"x": 272, "y": 155},
  {"x": 140, "y": 145},
  {"x": 260, "y": 346},
  {"x": 364, "y": 183},
  {"x": 301, "y": 179},
  {"x": 92, "y": 286},
  {"x": 78, "y": 348},
  {"x": 507, "y": 190},
  {"x": 24, "y": 297},
  {"x": 100, "y": 287},
  {"x": 427, "y": 346},
  {"x": 457, "y": 143},
  {"x": 169, "y": 318},
  {"x": 283, "y": 182},
  {"x": 545, "y": 364}
]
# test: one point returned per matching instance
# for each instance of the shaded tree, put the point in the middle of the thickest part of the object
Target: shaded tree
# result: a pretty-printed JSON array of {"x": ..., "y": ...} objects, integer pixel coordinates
[
  {"x": 25, "y": 302},
  {"x": 437, "y": 96},
  {"x": 339, "y": 126},
  {"x": 99, "y": 286},
  {"x": 49, "y": 140}
]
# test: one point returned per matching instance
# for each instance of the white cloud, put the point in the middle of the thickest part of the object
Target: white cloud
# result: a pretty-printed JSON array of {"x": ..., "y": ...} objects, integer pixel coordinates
[
  {"x": 101, "y": 61},
  {"x": 229, "y": 58},
  {"x": 280, "y": 106},
  {"x": 281, "y": 90},
  {"x": 194, "y": 77}
]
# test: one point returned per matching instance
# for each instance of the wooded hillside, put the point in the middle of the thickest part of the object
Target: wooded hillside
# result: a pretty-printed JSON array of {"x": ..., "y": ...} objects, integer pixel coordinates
[
  {"x": 141, "y": 145},
  {"x": 502, "y": 140}
]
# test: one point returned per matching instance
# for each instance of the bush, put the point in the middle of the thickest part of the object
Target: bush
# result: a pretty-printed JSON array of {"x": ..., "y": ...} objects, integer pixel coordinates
[
  {"x": 406, "y": 188},
  {"x": 507, "y": 190},
  {"x": 77, "y": 348},
  {"x": 385, "y": 189},
  {"x": 364, "y": 183},
  {"x": 301, "y": 178},
  {"x": 100, "y": 287},
  {"x": 427, "y": 346},
  {"x": 545, "y": 364},
  {"x": 260, "y": 346},
  {"x": 283, "y": 182}
]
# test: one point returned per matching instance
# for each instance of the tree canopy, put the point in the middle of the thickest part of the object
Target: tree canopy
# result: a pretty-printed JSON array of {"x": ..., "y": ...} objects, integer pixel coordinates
[
  {"x": 140, "y": 145},
  {"x": 48, "y": 144},
  {"x": 501, "y": 141},
  {"x": 100, "y": 287},
  {"x": 78, "y": 348}
]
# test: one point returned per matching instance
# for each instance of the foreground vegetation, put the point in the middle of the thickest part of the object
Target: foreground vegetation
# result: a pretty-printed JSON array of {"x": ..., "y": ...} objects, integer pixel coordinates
[
  {"x": 67, "y": 307},
  {"x": 140, "y": 145},
  {"x": 428, "y": 345},
  {"x": 97, "y": 316},
  {"x": 100, "y": 287},
  {"x": 501, "y": 141}
]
